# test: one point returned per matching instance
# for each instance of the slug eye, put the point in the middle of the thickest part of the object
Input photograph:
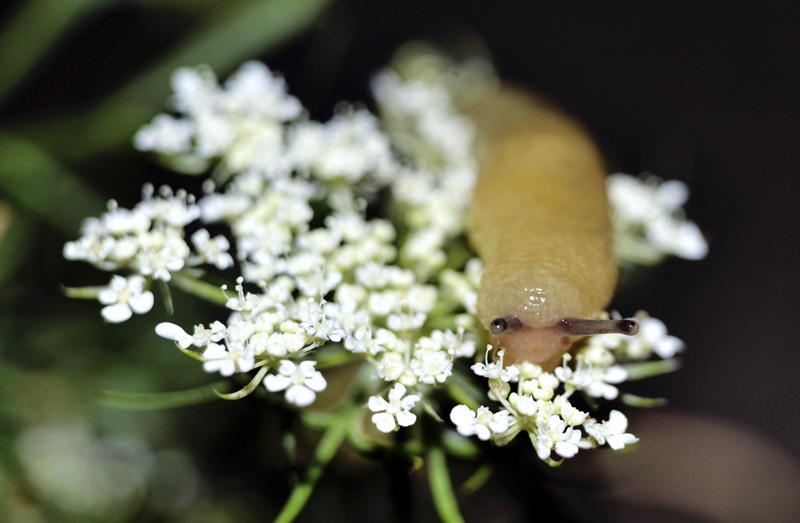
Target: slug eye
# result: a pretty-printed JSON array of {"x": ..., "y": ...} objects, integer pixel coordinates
[
  {"x": 498, "y": 326},
  {"x": 508, "y": 325}
]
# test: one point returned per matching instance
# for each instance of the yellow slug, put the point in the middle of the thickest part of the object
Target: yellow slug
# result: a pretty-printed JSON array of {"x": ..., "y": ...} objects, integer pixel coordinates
[{"x": 539, "y": 220}]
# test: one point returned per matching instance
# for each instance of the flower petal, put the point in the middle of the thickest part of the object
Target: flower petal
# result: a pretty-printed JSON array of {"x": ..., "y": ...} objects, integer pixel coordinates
[
  {"x": 377, "y": 404},
  {"x": 276, "y": 382},
  {"x": 300, "y": 395},
  {"x": 406, "y": 418},
  {"x": 116, "y": 313},
  {"x": 384, "y": 421},
  {"x": 142, "y": 303}
]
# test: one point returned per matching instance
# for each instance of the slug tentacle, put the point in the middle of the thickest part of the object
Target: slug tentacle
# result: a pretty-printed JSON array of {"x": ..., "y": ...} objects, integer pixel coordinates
[{"x": 579, "y": 327}]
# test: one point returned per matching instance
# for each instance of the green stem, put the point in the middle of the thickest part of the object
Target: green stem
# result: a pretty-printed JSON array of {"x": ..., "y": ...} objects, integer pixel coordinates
[
  {"x": 247, "y": 389},
  {"x": 198, "y": 288},
  {"x": 161, "y": 400},
  {"x": 441, "y": 488},
  {"x": 326, "y": 450}
]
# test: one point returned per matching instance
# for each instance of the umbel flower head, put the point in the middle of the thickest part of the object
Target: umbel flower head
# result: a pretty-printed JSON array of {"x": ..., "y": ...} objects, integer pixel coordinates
[{"x": 349, "y": 250}]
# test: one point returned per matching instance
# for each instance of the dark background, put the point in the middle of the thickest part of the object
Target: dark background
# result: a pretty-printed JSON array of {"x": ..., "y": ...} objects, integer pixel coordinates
[{"x": 698, "y": 91}]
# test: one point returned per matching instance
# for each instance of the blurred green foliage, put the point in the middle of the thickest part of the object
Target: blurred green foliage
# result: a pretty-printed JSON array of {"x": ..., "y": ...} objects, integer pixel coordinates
[{"x": 61, "y": 448}]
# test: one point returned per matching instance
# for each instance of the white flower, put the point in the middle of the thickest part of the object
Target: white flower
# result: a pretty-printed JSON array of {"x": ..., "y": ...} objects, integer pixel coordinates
[
  {"x": 237, "y": 358},
  {"x": 525, "y": 405},
  {"x": 611, "y": 431},
  {"x": 91, "y": 248},
  {"x": 254, "y": 90},
  {"x": 363, "y": 341},
  {"x": 165, "y": 134},
  {"x": 161, "y": 255},
  {"x": 601, "y": 386},
  {"x": 175, "y": 333},
  {"x": 397, "y": 408},
  {"x": 553, "y": 434},
  {"x": 201, "y": 337},
  {"x": 649, "y": 222},
  {"x": 213, "y": 251},
  {"x": 391, "y": 366},
  {"x": 678, "y": 237},
  {"x": 652, "y": 337},
  {"x": 301, "y": 382},
  {"x": 348, "y": 147},
  {"x": 123, "y": 297},
  {"x": 483, "y": 424},
  {"x": 431, "y": 366},
  {"x": 496, "y": 371}
]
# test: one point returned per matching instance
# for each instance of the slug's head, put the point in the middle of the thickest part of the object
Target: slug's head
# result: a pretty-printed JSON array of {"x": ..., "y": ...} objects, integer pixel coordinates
[{"x": 545, "y": 345}]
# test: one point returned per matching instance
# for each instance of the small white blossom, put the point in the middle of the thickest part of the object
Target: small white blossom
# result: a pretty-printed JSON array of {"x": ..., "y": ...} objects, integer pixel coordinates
[
  {"x": 301, "y": 382},
  {"x": 391, "y": 366},
  {"x": 652, "y": 337},
  {"x": 611, "y": 431},
  {"x": 483, "y": 424},
  {"x": 397, "y": 411},
  {"x": 213, "y": 251},
  {"x": 431, "y": 366},
  {"x": 218, "y": 358},
  {"x": 165, "y": 134},
  {"x": 123, "y": 297},
  {"x": 363, "y": 341},
  {"x": 649, "y": 221},
  {"x": 553, "y": 434},
  {"x": 524, "y": 405}
]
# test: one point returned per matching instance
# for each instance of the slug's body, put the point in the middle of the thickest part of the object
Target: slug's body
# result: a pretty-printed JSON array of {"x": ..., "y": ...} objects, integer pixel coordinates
[{"x": 539, "y": 220}]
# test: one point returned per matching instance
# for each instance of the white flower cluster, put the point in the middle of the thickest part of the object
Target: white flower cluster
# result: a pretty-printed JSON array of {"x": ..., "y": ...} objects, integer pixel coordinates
[
  {"x": 148, "y": 240},
  {"x": 540, "y": 404},
  {"x": 423, "y": 123},
  {"x": 295, "y": 195},
  {"x": 340, "y": 279},
  {"x": 649, "y": 223}
]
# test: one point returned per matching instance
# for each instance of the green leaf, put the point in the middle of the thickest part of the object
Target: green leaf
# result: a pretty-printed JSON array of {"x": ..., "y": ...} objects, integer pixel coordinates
[
  {"x": 37, "y": 182},
  {"x": 444, "y": 499},
  {"x": 161, "y": 400}
]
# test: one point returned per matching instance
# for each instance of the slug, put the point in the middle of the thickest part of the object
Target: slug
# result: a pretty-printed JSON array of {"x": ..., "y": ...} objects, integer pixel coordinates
[{"x": 539, "y": 220}]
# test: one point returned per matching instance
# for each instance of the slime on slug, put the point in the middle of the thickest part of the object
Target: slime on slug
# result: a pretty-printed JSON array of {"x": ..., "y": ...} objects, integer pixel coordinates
[{"x": 540, "y": 222}]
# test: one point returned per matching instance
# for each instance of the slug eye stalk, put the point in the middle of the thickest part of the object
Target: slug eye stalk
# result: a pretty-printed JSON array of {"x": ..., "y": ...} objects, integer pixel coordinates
[{"x": 579, "y": 327}]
